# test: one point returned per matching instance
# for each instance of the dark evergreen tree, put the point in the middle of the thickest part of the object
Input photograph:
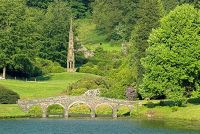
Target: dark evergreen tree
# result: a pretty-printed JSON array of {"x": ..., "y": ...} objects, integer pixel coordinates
[{"x": 149, "y": 14}]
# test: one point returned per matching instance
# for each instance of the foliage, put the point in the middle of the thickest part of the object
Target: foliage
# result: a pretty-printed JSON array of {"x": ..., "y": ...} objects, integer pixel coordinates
[
  {"x": 104, "y": 109},
  {"x": 123, "y": 111},
  {"x": 55, "y": 109},
  {"x": 172, "y": 61},
  {"x": 16, "y": 48},
  {"x": 102, "y": 63},
  {"x": 79, "y": 109},
  {"x": 8, "y": 96},
  {"x": 115, "y": 17},
  {"x": 82, "y": 85},
  {"x": 55, "y": 33},
  {"x": 39, "y": 3},
  {"x": 149, "y": 14},
  {"x": 169, "y": 4},
  {"x": 48, "y": 66},
  {"x": 35, "y": 111}
]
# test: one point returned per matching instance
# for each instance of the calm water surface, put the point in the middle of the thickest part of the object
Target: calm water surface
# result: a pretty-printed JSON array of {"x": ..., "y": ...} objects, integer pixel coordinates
[{"x": 97, "y": 126}]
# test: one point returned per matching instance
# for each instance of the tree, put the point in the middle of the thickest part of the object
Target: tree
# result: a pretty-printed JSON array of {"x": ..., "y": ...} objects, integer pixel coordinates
[
  {"x": 169, "y": 4},
  {"x": 195, "y": 3},
  {"x": 39, "y": 3},
  {"x": 172, "y": 64},
  {"x": 115, "y": 17},
  {"x": 55, "y": 33},
  {"x": 19, "y": 33},
  {"x": 11, "y": 13},
  {"x": 149, "y": 14}
]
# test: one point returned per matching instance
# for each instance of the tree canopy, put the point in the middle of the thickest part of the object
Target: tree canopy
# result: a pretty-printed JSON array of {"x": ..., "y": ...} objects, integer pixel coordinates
[{"x": 172, "y": 64}]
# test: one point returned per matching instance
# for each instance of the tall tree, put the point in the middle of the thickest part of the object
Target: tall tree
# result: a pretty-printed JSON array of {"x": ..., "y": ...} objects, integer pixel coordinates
[
  {"x": 11, "y": 13},
  {"x": 115, "y": 17},
  {"x": 18, "y": 37},
  {"x": 55, "y": 33},
  {"x": 149, "y": 14},
  {"x": 170, "y": 4},
  {"x": 172, "y": 64}
]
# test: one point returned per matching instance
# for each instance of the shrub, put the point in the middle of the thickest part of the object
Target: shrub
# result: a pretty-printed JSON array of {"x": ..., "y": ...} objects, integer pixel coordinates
[
  {"x": 35, "y": 111},
  {"x": 86, "y": 84},
  {"x": 194, "y": 100},
  {"x": 170, "y": 103},
  {"x": 8, "y": 96},
  {"x": 80, "y": 109},
  {"x": 104, "y": 110},
  {"x": 55, "y": 110},
  {"x": 150, "y": 105},
  {"x": 48, "y": 66},
  {"x": 123, "y": 111}
]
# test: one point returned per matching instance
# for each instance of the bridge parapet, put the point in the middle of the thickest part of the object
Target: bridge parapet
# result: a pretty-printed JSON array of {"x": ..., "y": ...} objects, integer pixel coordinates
[{"x": 67, "y": 101}]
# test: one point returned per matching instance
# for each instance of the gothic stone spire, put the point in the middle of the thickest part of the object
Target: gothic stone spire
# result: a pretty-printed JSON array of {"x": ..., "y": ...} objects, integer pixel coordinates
[{"x": 70, "y": 54}]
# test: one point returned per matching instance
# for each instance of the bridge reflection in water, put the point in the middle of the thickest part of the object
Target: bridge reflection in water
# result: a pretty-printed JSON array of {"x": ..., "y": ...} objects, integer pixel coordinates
[{"x": 66, "y": 102}]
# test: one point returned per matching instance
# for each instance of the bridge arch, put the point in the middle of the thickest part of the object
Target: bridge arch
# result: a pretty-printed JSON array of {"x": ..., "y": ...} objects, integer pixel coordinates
[
  {"x": 123, "y": 110},
  {"x": 79, "y": 102},
  {"x": 35, "y": 111},
  {"x": 105, "y": 105},
  {"x": 59, "y": 109},
  {"x": 80, "y": 110}
]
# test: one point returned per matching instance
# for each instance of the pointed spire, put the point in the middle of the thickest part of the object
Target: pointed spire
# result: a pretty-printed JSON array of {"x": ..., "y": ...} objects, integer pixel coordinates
[{"x": 70, "y": 54}]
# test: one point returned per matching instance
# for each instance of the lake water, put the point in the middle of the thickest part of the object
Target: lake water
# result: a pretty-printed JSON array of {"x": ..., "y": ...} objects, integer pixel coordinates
[{"x": 97, "y": 126}]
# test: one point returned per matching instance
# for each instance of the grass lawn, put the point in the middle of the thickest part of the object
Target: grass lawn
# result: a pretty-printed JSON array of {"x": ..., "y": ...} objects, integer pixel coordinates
[
  {"x": 189, "y": 112},
  {"x": 105, "y": 45},
  {"x": 46, "y": 86},
  {"x": 87, "y": 32},
  {"x": 10, "y": 110},
  {"x": 91, "y": 38}
]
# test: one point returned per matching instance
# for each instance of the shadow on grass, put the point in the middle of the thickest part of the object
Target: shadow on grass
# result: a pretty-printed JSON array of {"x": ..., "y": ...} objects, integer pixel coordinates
[
  {"x": 195, "y": 101},
  {"x": 43, "y": 78}
]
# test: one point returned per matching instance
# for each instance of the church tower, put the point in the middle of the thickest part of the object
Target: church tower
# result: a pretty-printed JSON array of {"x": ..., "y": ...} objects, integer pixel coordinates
[{"x": 70, "y": 54}]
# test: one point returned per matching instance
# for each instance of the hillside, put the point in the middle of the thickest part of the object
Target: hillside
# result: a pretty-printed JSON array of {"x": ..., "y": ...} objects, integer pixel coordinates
[{"x": 46, "y": 86}]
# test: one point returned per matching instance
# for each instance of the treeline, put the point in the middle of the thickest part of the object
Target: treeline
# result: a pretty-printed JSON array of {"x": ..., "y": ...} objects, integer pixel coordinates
[
  {"x": 34, "y": 34},
  {"x": 163, "y": 46}
]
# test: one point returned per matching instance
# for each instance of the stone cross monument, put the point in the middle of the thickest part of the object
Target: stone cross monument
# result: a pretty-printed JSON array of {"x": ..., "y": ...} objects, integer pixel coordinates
[{"x": 70, "y": 54}]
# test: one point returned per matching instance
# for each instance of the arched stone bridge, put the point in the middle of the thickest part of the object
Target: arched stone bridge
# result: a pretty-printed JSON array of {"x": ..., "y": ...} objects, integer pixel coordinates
[{"x": 68, "y": 101}]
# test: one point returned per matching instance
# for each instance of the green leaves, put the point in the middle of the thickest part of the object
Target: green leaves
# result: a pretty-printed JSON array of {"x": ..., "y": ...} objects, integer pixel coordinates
[{"x": 172, "y": 62}]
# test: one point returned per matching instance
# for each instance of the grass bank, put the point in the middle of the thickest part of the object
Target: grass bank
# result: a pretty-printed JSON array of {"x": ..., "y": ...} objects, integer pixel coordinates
[
  {"x": 46, "y": 86},
  {"x": 11, "y": 111},
  {"x": 91, "y": 38},
  {"x": 187, "y": 112}
]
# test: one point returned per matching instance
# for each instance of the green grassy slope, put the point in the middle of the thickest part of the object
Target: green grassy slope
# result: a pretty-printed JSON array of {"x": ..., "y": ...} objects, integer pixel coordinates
[
  {"x": 54, "y": 85},
  {"x": 188, "y": 112},
  {"x": 91, "y": 38},
  {"x": 11, "y": 110}
]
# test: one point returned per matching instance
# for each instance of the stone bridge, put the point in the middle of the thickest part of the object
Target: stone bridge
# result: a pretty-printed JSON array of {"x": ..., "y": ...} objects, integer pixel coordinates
[{"x": 68, "y": 101}]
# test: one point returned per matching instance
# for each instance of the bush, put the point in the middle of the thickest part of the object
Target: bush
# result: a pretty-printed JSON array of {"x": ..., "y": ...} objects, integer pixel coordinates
[
  {"x": 86, "y": 84},
  {"x": 55, "y": 110},
  {"x": 48, "y": 66},
  {"x": 170, "y": 103},
  {"x": 194, "y": 100},
  {"x": 35, "y": 111},
  {"x": 123, "y": 111},
  {"x": 8, "y": 96},
  {"x": 80, "y": 109},
  {"x": 150, "y": 105}
]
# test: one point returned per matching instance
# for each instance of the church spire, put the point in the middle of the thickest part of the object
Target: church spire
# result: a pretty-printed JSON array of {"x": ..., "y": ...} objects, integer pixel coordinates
[{"x": 70, "y": 54}]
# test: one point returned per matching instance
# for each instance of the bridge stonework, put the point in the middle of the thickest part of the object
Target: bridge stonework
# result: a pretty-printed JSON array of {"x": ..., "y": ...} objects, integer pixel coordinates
[{"x": 68, "y": 101}]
